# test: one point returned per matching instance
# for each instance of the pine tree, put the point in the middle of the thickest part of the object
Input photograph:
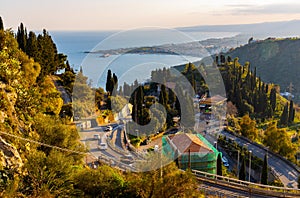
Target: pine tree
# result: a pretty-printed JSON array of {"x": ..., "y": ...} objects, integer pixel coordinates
[
  {"x": 32, "y": 46},
  {"x": 1, "y": 24},
  {"x": 242, "y": 173},
  {"x": 284, "y": 116},
  {"x": 264, "y": 173},
  {"x": 49, "y": 58},
  {"x": 219, "y": 165}
]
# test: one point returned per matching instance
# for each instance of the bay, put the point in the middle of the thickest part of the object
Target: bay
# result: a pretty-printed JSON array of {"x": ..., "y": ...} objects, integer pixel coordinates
[{"x": 127, "y": 67}]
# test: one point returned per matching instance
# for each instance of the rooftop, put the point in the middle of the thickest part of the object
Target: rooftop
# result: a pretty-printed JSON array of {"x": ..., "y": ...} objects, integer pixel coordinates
[
  {"x": 189, "y": 142},
  {"x": 214, "y": 100}
]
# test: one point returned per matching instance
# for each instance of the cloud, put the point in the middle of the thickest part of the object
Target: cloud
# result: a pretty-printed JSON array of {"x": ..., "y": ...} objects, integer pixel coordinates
[{"x": 265, "y": 9}]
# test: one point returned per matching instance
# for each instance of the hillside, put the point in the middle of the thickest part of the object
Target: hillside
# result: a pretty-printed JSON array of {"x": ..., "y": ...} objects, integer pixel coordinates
[
  {"x": 276, "y": 61},
  {"x": 278, "y": 28}
]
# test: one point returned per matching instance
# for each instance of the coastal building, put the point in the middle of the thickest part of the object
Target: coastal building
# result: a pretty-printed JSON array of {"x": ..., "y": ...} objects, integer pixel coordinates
[
  {"x": 191, "y": 150},
  {"x": 206, "y": 104}
]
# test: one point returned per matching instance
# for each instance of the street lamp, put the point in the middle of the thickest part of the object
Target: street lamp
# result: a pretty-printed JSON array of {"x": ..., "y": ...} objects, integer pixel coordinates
[
  {"x": 250, "y": 152},
  {"x": 137, "y": 133}
]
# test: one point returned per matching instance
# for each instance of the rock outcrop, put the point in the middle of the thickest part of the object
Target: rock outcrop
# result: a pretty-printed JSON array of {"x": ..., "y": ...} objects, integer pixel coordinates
[{"x": 9, "y": 156}]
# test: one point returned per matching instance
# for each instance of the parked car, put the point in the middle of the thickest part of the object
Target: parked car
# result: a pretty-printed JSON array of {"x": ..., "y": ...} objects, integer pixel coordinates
[
  {"x": 156, "y": 148},
  {"x": 127, "y": 159},
  {"x": 108, "y": 128},
  {"x": 102, "y": 146},
  {"x": 225, "y": 161},
  {"x": 97, "y": 137}
]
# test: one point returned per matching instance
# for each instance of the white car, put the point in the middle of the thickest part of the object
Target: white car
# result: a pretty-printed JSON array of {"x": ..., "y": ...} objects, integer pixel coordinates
[
  {"x": 156, "y": 148},
  {"x": 108, "y": 128}
]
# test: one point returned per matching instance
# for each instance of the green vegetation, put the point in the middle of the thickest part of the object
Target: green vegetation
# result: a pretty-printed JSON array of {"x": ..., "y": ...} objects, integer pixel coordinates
[
  {"x": 274, "y": 55},
  {"x": 1, "y": 24},
  {"x": 248, "y": 127},
  {"x": 31, "y": 107},
  {"x": 51, "y": 163},
  {"x": 279, "y": 141},
  {"x": 235, "y": 151},
  {"x": 259, "y": 108}
]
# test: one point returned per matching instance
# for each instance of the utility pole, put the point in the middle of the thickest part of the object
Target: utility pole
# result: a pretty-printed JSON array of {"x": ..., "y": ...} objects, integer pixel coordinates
[
  {"x": 238, "y": 164},
  {"x": 290, "y": 88},
  {"x": 250, "y": 152},
  {"x": 189, "y": 159},
  {"x": 161, "y": 172}
]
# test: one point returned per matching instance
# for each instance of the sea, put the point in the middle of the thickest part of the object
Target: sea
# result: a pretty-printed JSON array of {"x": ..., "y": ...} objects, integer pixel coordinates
[{"x": 81, "y": 47}]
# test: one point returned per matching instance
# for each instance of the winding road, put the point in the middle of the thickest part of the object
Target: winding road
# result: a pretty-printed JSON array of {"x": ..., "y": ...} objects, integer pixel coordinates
[{"x": 286, "y": 173}]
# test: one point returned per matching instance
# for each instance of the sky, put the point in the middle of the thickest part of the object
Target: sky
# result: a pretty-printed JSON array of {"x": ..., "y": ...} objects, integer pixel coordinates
[{"x": 128, "y": 14}]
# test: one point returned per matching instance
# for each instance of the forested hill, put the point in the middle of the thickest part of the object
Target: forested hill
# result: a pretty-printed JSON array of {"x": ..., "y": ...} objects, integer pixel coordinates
[{"x": 276, "y": 61}]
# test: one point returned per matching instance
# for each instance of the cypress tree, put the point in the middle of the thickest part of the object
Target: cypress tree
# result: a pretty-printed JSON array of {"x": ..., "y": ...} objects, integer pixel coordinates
[
  {"x": 284, "y": 116},
  {"x": 291, "y": 113},
  {"x": 217, "y": 59},
  {"x": 172, "y": 97},
  {"x": 229, "y": 59},
  {"x": 219, "y": 165},
  {"x": 22, "y": 37},
  {"x": 242, "y": 173},
  {"x": 264, "y": 173},
  {"x": 163, "y": 97},
  {"x": 222, "y": 57},
  {"x": 115, "y": 81},
  {"x": 139, "y": 113},
  {"x": 273, "y": 99},
  {"x": 108, "y": 81},
  {"x": 1, "y": 24}
]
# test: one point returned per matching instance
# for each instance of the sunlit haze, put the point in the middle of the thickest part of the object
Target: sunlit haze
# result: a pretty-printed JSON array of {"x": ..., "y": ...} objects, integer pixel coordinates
[{"x": 126, "y": 14}]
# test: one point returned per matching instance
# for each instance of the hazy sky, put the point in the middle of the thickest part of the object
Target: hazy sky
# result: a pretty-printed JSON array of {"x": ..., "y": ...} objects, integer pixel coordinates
[{"x": 126, "y": 14}]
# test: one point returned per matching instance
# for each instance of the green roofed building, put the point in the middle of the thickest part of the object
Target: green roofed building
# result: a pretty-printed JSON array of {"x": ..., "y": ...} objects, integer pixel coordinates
[{"x": 191, "y": 149}]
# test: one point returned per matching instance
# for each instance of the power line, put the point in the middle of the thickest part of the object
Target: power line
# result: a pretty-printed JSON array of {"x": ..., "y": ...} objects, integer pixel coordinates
[{"x": 43, "y": 144}]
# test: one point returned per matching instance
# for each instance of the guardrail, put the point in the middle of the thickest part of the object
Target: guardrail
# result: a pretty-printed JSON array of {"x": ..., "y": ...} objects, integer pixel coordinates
[
  {"x": 113, "y": 146},
  {"x": 251, "y": 188},
  {"x": 266, "y": 150}
]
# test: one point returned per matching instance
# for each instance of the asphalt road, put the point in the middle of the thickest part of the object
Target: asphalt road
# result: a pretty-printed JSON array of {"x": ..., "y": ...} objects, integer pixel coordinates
[
  {"x": 87, "y": 137},
  {"x": 114, "y": 152},
  {"x": 287, "y": 174}
]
